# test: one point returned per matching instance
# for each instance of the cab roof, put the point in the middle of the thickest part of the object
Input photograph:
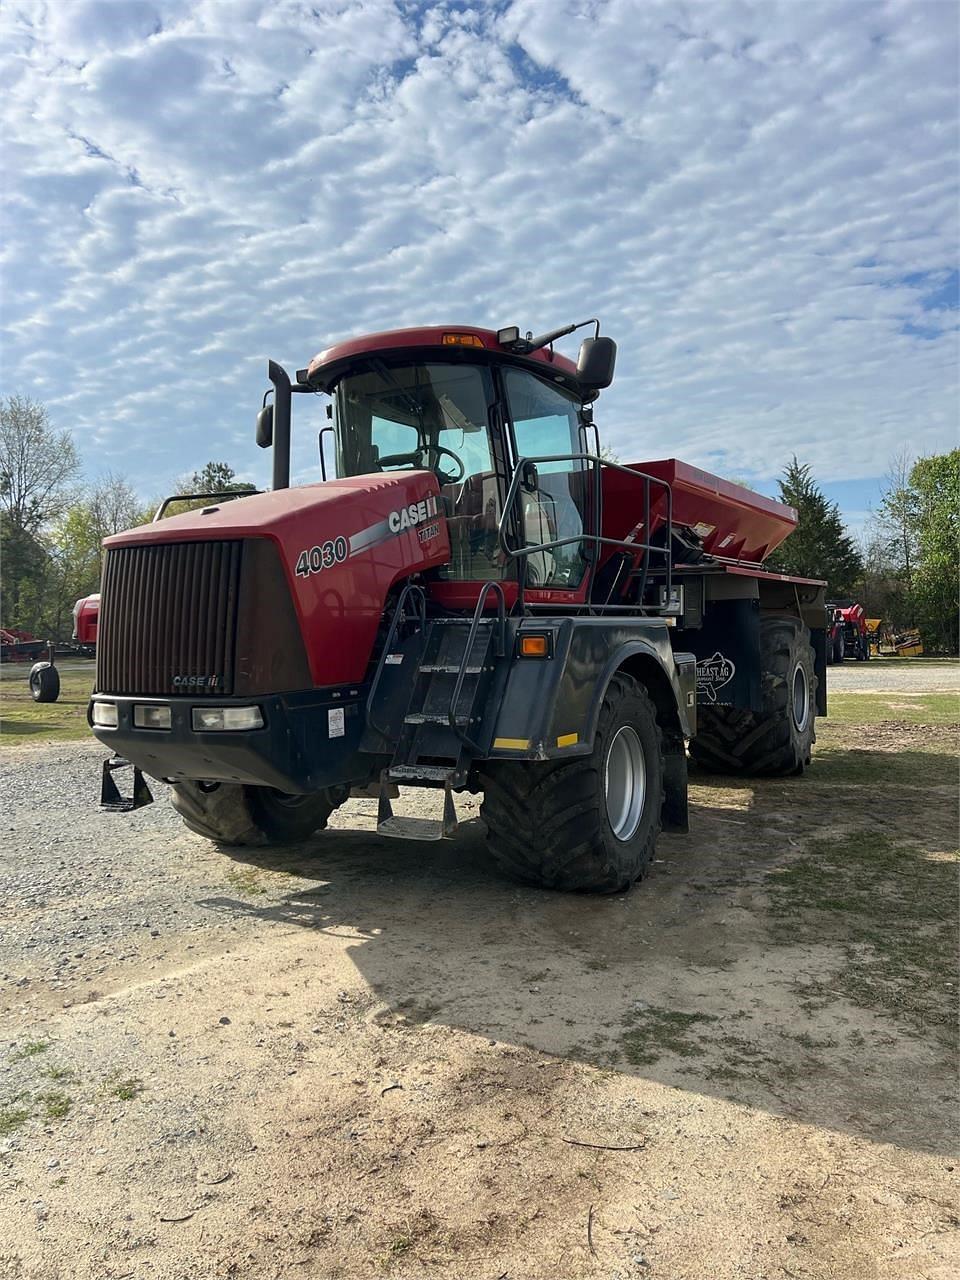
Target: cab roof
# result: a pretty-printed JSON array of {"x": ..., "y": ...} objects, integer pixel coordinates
[{"x": 461, "y": 341}]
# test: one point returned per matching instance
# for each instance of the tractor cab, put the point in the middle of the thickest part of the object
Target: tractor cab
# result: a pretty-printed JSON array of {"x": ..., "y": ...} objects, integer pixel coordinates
[{"x": 470, "y": 405}]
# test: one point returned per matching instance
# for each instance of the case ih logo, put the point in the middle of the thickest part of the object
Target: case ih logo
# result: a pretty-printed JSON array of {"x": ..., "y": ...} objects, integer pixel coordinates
[
  {"x": 712, "y": 674},
  {"x": 196, "y": 682},
  {"x": 414, "y": 514}
]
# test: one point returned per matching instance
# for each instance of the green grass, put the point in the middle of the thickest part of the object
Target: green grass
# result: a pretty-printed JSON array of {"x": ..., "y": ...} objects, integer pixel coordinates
[
  {"x": 55, "y": 1104},
  {"x": 889, "y": 907},
  {"x": 922, "y": 766},
  {"x": 126, "y": 1088},
  {"x": 11, "y": 1118},
  {"x": 654, "y": 1032},
  {"x": 22, "y": 719},
  {"x": 908, "y": 708},
  {"x": 245, "y": 880},
  {"x": 31, "y": 1049}
]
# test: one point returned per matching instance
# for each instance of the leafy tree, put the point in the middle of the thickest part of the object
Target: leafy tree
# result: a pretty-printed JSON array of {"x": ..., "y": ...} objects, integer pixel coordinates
[
  {"x": 216, "y": 477},
  {"x": 935, "y": 485},
  {"x": 23, "y": 582},
  {"x": 37, "y": 464},
  {"x": 819, "y": 547}
]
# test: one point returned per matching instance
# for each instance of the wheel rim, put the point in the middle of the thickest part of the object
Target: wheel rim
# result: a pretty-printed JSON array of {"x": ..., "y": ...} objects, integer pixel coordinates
[
  {"x": 801, "y": 697},
  {"x": 625, "y": 783}
]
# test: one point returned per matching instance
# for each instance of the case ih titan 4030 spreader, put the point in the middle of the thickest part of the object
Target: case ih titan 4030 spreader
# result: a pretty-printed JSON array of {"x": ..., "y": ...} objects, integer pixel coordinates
[{"x": 477, "y": 601}]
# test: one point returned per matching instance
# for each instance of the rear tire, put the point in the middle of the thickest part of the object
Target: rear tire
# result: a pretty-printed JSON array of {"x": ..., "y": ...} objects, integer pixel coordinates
[
  {"x": 779, "y": 739},
  {"x": 44, "y": 682},
  {"x": 231, "y": 814},
  {"x": 587, "y": 824}
]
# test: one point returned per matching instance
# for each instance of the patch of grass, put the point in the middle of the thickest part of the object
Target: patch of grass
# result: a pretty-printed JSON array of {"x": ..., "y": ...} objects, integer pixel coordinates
[
  {"x": 245, "y": 880},
  {"x": 890, "y": 908},
  {"x": 126, "y": 1088},
  {"x": 908, "y": 708},
  {"x": 401, "y": 1244},
  {"x": 11, "y": 1118},
  {"x": 58, "y": 1073},
  {"x": 654, "y": 1032},
  {"x": 61, "y": 721},
  {"x": 55, "y": 1104},
  {"x": 31, "y": 1049},
  {"x": 853, "y": 767}
]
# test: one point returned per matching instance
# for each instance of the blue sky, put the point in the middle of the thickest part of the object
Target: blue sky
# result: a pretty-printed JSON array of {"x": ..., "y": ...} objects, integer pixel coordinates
[{"x": 758, "y": 199}]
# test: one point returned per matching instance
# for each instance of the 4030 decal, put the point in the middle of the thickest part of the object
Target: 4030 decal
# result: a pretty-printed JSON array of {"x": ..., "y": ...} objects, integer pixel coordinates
[{"x": 316, "y": 559}]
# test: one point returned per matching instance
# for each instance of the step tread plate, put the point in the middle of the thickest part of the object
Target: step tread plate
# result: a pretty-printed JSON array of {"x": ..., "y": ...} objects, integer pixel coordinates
[{"x": 411, "y": 828}]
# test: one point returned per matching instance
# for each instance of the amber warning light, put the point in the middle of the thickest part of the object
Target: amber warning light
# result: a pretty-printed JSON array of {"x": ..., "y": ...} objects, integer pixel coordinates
[
  {"x": 534, "y": 646},
  {"x": 461, "y": 340}
]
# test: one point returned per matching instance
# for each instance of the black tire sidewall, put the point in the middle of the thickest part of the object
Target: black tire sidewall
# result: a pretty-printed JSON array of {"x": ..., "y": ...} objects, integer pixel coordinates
[
  {"x": 622, "y": 706},
  {"x": 44, "y": 682},
  {"x": 801, "y": 656},
  {"x": 283, "y": 824}
]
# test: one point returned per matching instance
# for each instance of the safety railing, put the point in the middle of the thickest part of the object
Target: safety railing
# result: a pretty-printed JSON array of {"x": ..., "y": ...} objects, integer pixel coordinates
[
  {"x": 499, "y": 649},
  {"x": 593, "y": 537},
  {"x": 412, "y": 591}
]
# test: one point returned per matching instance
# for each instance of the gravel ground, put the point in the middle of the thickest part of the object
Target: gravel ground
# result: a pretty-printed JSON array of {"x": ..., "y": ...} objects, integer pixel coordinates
[
  {"x": 878, "y": 676},
  {"x": 366, "y": 1058}
]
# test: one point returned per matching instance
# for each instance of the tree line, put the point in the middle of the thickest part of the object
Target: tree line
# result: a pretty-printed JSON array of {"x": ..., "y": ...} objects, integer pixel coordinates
[{"x": 904, "y": 569}]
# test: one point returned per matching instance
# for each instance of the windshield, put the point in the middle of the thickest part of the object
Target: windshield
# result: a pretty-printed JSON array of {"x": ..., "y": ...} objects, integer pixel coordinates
[{"x": 430, "y": 416}]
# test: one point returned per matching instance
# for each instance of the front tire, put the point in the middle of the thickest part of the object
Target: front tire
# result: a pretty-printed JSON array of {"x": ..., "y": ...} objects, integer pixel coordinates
[
  {"x": 231, "y": 814},
  {"x": 588, "y": 824},
  {"x": 779, "y": 739}
]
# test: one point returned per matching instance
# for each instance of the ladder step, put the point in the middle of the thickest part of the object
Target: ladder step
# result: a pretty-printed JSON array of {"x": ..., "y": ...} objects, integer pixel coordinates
[
  {"x": 411, "y": 828},
  {"x": 425, "y": 717},
  {"x": 460, "y": 622},
  {"x": 422, "y": 772}
]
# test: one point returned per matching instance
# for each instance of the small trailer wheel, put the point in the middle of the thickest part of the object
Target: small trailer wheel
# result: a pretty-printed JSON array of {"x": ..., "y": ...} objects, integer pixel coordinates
[{"x": 44, "y": 682}]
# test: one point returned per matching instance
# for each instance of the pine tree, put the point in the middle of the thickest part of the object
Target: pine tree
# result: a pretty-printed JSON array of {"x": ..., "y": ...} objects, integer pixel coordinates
[{"x": 819, "y": 547}]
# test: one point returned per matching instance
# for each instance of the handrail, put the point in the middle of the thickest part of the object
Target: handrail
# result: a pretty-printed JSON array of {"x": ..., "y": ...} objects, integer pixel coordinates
[
  {"x": 410, "y": 589},
  {"x": 195, "y": 497},
  {"x": 595, "y": 539},
  {"x": 468, "y": 649}
]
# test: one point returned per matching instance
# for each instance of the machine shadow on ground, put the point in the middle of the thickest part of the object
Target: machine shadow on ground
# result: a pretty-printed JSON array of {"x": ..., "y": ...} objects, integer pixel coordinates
[{"x": 772, "y": 957}]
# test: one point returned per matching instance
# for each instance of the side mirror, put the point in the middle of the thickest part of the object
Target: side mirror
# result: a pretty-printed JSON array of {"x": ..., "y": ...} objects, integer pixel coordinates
[
  {"x": 529, "y": 480},
  {"x": 596, "y": 362},
  {"x": 265, "y": 427}
]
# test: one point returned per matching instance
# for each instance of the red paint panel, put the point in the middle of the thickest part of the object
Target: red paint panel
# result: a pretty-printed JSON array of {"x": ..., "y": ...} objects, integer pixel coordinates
[
  {"x": 736, "y": 523},
  {"x": 397, "y": 339},
  {"x": 340, "y": 606}
]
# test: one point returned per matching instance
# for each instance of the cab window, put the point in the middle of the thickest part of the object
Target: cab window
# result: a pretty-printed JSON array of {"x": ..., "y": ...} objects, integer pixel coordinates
[{"x": 546, "y": 422}]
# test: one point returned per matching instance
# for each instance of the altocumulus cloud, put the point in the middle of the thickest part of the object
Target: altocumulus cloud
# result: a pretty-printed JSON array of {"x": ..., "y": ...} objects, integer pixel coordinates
[{"x": 758, "y": 199}]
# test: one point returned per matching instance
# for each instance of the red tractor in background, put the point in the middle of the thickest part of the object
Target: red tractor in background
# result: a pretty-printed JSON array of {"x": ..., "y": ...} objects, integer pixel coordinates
[
  {"x": 86, "y": 620},
  {"x": 847, "y": 632},
  {"x": 474, "y": 600}
]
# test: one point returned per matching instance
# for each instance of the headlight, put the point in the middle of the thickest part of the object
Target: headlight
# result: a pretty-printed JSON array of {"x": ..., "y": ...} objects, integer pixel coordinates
[
  {"x": 146, "y": 717},
  {"x": 105, "y": 715},
  {"x": 206, "y": 719}
]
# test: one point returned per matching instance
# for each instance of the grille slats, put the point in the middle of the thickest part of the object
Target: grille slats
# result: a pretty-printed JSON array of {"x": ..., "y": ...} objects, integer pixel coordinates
[{"x": 169, "y": 610}]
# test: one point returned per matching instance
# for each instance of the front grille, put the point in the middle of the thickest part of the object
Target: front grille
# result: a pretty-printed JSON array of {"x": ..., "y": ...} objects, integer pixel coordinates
[{"x": 168, "y": 612}]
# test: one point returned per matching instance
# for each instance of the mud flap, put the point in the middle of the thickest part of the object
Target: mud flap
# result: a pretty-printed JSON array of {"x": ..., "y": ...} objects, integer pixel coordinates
[
  {"x": 674, "y": 813},
  {"x": 110, "y": 798}
]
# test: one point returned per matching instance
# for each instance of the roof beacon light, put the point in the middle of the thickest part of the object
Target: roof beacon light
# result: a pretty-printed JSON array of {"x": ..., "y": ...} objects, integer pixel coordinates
[{"x": 461, "y": 340}]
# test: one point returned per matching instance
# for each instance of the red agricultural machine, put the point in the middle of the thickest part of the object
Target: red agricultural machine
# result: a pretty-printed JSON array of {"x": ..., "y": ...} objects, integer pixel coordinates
[
  {"x": 86, "y": 620},
  {"x": 474, "y": 600},
  {"x": 848, "y": 636}
]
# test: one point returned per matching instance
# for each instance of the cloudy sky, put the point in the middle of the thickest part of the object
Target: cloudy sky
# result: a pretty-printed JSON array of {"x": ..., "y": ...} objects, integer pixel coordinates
[{"x": 759, "y": 200}]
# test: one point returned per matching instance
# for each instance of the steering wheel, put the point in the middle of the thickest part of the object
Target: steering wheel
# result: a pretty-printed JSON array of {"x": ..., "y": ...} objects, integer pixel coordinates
[{"x": 433, "y": 453}]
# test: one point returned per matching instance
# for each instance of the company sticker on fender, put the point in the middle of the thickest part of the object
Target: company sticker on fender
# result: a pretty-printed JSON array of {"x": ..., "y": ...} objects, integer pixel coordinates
[{"x": 712, "y": 675}]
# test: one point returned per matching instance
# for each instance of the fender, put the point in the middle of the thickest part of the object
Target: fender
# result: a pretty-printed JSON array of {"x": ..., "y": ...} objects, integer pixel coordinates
[{"x": 550, "y": 706}]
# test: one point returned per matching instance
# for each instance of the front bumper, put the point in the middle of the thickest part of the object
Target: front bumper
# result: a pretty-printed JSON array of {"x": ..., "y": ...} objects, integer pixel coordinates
[{"x": 309, "y": 740}]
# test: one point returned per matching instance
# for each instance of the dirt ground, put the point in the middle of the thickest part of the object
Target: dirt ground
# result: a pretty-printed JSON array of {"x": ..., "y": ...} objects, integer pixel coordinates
[{"x": 379, "y": 1058}]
